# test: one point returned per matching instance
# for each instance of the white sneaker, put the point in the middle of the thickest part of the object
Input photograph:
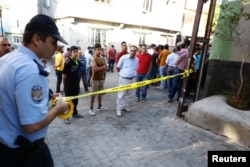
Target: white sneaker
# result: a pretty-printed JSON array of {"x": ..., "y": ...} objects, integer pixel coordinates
[
  {"x": 92, "y": 112},
  {"x": 127, "y": 109},
  {"x": 101, "y": 108},
  {"x": 119, "y": 113}
]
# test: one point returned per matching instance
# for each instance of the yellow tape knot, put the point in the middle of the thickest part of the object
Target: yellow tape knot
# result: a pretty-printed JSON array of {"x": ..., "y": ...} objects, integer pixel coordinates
[{"x": 187, "y": 73}]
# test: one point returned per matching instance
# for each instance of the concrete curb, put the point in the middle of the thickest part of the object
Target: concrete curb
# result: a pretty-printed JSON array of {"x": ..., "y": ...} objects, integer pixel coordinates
[{"x": 214, "y": 114}]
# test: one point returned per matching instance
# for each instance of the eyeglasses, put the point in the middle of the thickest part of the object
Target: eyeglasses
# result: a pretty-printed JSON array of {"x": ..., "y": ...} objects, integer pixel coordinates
[
  {"x": 5, "y": 44},
  {"x": 133, "y": 50}
]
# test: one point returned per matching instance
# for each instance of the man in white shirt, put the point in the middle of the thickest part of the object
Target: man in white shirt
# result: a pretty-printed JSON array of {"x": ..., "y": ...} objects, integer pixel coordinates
[
  {"x": 126, "y": 67},
  {"x": 170, "y": 64}
]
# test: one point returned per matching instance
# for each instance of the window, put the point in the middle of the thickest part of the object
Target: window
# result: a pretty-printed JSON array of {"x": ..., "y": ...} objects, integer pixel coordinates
[
  {"x": 140, "y": 37},
  {"x": 168, "y": 2},
  {"x": 147, "y": 5},
  {"x": 97, "y": 35},
  {"x": 104, "y": 1},
  {"x": 17, "y": 39}
]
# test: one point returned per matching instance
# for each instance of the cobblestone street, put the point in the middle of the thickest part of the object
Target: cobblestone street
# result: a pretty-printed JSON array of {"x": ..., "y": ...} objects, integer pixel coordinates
[{"x": 151, "y": 135}]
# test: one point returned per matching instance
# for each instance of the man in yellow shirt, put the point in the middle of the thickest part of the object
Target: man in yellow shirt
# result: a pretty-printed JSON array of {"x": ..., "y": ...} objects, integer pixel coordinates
[
  {"x": 162, "y": 70},
  {"x": 59, "y": 64}
]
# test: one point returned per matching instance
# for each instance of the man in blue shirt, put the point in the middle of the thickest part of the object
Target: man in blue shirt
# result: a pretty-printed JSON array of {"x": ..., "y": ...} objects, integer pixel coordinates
[
  {"x": 83, "y": 70},
  {"x": 24, "y": 92}
]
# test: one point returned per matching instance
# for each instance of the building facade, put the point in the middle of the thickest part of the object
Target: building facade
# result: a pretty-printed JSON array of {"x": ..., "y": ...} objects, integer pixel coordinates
[
  {"x": 14, "y": 15},
  {"x": 113, "y": 21},
  {"x": 87, "y": 22}
]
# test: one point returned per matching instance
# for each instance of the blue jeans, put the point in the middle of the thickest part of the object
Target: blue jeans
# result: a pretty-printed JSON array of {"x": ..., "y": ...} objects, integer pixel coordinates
[
  {"x": 176, "y": 85},
  {"x": 111, "y": 65},
  {"x": 170, "y": 71},
  {"x": 153, "y": 73},
  {"x": 141, "y": 92},
  {"x": 83, "y": 77},
  {"x": 163, "y": 74}
]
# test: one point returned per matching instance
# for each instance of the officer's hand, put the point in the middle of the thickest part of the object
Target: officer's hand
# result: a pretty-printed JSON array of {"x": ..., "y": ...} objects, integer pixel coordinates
[{"x": 61, "y": 106}]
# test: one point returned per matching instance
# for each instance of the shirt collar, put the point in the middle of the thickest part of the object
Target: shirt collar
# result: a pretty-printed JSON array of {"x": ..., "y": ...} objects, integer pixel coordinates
[{"x": 29, "y": 53}]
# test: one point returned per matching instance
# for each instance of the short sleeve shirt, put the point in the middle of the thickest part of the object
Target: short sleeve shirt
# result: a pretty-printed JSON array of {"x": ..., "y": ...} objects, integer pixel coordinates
[
  {"x": 98, "y": 75},
  {"x": 24, "y": 96},
  {"x": 128, "y": 66},
  {"x": 59, "y": 60},
  {"x": 71, "y": 69},
  {"x": 144, "y": 63}
]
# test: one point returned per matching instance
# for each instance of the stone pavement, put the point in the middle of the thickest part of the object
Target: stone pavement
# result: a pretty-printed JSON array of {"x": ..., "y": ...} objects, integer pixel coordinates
[{"x": 150, "y": 136}]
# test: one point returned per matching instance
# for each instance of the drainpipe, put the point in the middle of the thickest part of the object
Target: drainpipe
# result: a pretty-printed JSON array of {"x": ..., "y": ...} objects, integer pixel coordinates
[
  {"x": 1, "y": 20},
  {"x": 40, "y": 6}
]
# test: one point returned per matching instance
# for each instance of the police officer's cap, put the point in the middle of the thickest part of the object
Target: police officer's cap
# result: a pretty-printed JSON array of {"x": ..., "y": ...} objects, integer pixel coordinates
[{"x": 45, "y": 24}]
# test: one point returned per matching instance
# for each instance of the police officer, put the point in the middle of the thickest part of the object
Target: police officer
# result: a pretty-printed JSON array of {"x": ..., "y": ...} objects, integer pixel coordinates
[{"x": 24, "y": 92}]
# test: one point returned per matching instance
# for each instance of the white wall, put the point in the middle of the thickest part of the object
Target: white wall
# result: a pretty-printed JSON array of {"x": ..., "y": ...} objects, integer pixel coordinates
[
  {"x": 15, "y": 15},
  {"x": 166, "y": 17}
]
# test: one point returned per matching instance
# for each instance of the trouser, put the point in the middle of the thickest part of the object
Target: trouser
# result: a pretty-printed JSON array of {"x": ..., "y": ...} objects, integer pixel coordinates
[
  {"x": 37, "y": 155},
  {"x": 153, "y": 73},
  {"x": 111, "y": 65},
  {"x": 170, "y": 71},
  {"x": 176, "y": 85},
  {"x": 124, "y": 97},
  {"x": 141, "y": 92},
  {"x": 162, "y": 71},
  {"x": 89, "y": 75},
  {"x": 59, "y": 80},
  {"x": 83, "y": 77},
  {"x": 74, "y": 101}
]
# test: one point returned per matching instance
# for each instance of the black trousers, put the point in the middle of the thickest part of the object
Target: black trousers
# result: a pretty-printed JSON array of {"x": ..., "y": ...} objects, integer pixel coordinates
[
  {"x": 59, "y": 81},
  {"x": 111, "y": 65},
  {"x": 38, "y": 156},
  {"x": 74, "y": 101}
]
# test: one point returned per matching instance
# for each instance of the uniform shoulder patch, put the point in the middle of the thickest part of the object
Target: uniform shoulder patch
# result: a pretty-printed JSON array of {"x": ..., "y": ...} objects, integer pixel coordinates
[{"x": 37, "y": 94}]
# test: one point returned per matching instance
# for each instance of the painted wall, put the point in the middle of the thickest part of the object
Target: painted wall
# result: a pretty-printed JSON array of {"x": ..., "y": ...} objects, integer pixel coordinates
[
  {"x": 128, "y": 12},
  {"x": 111, "y": 16},
  {"x": 230, "y": 50},
  {"x": 243, "y": 25},
  {"x": 15, "y": 15}
]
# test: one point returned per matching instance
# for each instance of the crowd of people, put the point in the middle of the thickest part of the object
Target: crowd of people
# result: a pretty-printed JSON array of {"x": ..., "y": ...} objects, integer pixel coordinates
[
  {"x": 90, "y": 67},
  {"x": 149, "y": 62},
  {"x": 26, "y": 69}
]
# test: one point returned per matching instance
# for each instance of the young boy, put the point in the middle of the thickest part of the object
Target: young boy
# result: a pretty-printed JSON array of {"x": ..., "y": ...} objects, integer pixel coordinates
[{"x": 71, "y": 77}]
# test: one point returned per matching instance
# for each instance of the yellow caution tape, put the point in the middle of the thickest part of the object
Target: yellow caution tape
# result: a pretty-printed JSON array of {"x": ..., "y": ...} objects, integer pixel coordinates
[{"x": 186, "y": 73}]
